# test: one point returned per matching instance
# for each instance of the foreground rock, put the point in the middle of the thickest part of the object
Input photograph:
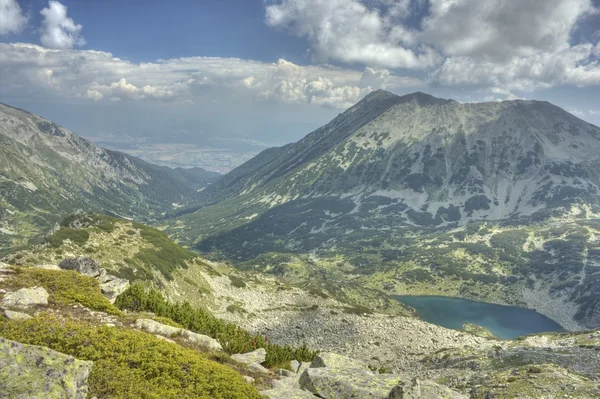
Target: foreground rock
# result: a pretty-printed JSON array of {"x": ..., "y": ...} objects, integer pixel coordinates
[
  {"x": 11, "y": 315},
  {"x": 332, "y": 376},
  {"x": 257, "y": 356},
  {"x": 25, "y": 297},
  {"x": 28, "y": 371},
  {"x": 111, "y": 286},
  {"x": 154, "y": 327}
]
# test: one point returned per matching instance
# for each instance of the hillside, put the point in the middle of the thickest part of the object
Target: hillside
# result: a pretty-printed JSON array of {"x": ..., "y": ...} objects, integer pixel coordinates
[
  {"x": 162, "y": 343},
  {"x": 393, "y": 189},
  {"x": 47, "y": 172}
]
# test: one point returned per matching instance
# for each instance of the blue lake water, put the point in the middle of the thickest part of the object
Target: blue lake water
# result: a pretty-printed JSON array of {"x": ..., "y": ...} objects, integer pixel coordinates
[{"x": 505, "y": 322}]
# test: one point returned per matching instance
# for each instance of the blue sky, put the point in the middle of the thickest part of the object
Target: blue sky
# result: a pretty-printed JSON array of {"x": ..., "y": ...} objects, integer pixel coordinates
[{"x": 251, "y": 73}]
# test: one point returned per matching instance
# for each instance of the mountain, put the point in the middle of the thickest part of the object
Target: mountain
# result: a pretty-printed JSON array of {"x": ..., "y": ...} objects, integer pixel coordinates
[
  {"x": 494, "y": 200},
  {"x": 47, "y": 172}
]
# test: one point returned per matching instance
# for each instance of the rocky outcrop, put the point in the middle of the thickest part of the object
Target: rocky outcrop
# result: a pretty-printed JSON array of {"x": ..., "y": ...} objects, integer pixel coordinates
[
  {"x": 28, "y": 371},
  {"x": 154, "y": 327},
  {"x": 332, "y": 376},
  {"x": 25, "y": 297},
  {"x": 88, "y": 266},
  {"x": 111, "y": 286},
  {"x": 257, "y": 356}
]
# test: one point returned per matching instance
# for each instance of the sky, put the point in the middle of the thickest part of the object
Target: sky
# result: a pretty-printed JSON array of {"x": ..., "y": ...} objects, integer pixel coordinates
[{"x": 250, "y": 74}]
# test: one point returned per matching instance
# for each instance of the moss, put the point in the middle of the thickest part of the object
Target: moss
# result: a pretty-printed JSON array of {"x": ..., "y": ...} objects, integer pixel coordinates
[
  {"x": 132, "y": 364},
  {"x": 64, "y": 286}
]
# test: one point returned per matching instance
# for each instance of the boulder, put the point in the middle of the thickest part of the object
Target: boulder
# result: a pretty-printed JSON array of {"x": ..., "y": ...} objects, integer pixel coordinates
[
  {"x": 28, "y": 371},
  {"x": 156, "y": 328},
  {"x": 25, "y": 297},
  {"x": 202, "y": 340},
  {"x": 113, "y": 286},
  {"x": 88, "y": 266},
  {"x": 258, "y": 368},
  {"x": 10, "y": 315},
  {"x": 257, "y": 356},
  {"x": 295, "y": 365},
  {"x": 342, "y": 383},
  {"x": 423, "y": 389}
]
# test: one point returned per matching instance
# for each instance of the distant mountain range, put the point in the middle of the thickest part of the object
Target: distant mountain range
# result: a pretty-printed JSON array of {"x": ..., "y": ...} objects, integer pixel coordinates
[
  {"x": 47, "y": 172},
  {"x": 373, "y": 189}
]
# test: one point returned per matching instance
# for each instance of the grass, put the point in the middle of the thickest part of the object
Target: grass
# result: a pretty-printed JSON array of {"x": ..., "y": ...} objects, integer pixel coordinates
[
  {"x": 65, "y": 287},
  {"x": 78, "y": 237},
  {"x": 132, "y": 364}
]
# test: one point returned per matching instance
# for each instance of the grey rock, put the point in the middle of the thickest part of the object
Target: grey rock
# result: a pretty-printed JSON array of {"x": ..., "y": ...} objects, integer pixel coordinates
[
  {"x": 338, "y": 362},
  {"x": 154, "y": 327},
  {"x": 286, "y": 373},
  {"x": 88, "y": 266},
  {"x": 423, "y": 389},
  {"x": 28, "y": 371},
  {"x": 202, "y": 340},
  {"x": 257, "y": 356},
  {"x": 10, "y": 315},
  {"x": 342, "y": 383},
  {"x": 25, "y": 297},
  {"x": 113, "y": 286},
  {"x": 258, "y": 368},
  {"x": 295, "y": 365}
]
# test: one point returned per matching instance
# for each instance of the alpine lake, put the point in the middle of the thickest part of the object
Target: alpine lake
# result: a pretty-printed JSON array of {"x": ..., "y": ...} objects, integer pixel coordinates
[{"x": 506, "y": 322}]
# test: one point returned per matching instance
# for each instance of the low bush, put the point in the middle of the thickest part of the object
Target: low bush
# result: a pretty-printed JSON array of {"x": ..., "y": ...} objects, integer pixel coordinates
[
  {"x": 132, "y": 364},
  {"x": 78, "y": 237},
  {"x": 65, "y": 287},
  {"x": 233, "y": 338}
]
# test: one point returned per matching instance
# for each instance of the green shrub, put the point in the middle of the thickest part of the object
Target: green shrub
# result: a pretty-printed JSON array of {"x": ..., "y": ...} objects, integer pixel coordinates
[
  {"x": 166, "y": 257},
  {"x": 233, "y": 338},
  {"x": 65, "y": 287},
  {"x": 78, "y": 237},
  {"x": 132, "y": 364},
  {"x": 237, "y": 282}
]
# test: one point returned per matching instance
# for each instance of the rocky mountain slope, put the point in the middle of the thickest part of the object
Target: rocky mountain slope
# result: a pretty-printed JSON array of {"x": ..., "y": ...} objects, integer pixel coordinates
[
  {"x": 481, "y": 200},
  {"x": 47, "y": 172},
  {"x": 173, "y": 350}
]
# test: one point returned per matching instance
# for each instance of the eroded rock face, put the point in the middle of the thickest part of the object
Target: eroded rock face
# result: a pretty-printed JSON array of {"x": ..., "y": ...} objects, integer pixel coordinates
[
  {"x": 88, "y": 266},
  {"x": 154, "y": 327},
  {"x": 25, "y": 297},
  {"x": 28, "y": 371},
  {"x": 257, "y": 356}
]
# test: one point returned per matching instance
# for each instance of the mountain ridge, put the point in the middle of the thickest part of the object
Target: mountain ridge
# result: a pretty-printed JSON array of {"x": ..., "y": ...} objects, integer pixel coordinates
[{"x": 46, "y": 172}]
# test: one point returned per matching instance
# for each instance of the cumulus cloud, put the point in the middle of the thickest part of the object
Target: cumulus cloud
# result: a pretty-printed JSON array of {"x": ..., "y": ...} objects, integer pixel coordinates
[
  {"x": 12, "y": 19},
  {"x": 502, "y": 29},
  {"x": 99, "y": 76},
  {"x": 510, "y": 44},
  {"x": 351, "y": 32},
  {"x": 58, "y": 30}
]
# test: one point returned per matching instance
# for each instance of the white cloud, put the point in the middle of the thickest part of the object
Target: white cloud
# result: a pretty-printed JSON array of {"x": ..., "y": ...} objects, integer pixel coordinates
[
  {"x": 59, "y": 31},
  {"x": 99, "y": 76},
  {"x": 350, "y": 32},
  {"x": 502, "y": 29},
  {"x": 12, "y": 19},
  {"x": 566, "y": 66}
]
